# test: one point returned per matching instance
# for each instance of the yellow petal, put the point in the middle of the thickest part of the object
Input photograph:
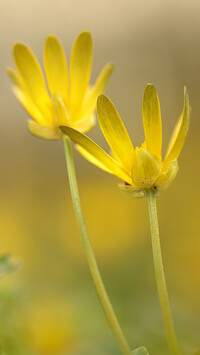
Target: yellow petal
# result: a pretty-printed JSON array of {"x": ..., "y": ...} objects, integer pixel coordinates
[
  {"x": 166, "y": 177},
  {"x": 56, "y": 67},
  {"x": 62, "y": 117},
  {"x": 146, "y": 169},
  {"x": 115, "y": 132},
  {"x": 60, "y": 113},
  {"x": 80, "y": 70},
  {"x": 85, "y": 124},
  {"x": 14, "y": 78},
  {"x": 32, "y": 79},
  {"x": 92, "y": 159},
  {"x": 24, "y": 100},
  {"x": 152, "y": 121},
  {"x": 178, "y": 137},
  {"x": 95, "y": 154},
  {"x": 29, "y": 106},
  {"x": 99, "y": 87},
  {"x": 45, "y": 132}
]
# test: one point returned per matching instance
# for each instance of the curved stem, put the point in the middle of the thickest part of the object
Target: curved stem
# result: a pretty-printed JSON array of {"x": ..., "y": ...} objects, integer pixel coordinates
[
  {"x": 103, "y": 297},
  {"x": 160, "y": 276}
]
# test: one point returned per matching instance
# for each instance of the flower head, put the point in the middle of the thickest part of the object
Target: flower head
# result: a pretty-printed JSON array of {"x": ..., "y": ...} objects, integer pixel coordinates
[
  {"x": 141, "y": 168},
  {"x": 71, "y": 92}
]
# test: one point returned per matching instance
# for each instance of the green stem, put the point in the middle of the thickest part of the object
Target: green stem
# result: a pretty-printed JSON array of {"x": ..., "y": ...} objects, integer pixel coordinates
[
  {"x": 160, "y": 276},
  {"x": 103, "y": 297}
]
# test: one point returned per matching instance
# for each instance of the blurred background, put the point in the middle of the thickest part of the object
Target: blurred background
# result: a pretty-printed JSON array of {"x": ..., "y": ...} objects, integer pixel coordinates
[{"x": 50, "y": 306}]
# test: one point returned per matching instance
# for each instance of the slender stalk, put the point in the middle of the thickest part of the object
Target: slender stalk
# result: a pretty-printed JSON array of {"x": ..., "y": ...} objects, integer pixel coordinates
[
  {"x": 160, "y": 276},
  {"x": 103, "y": 297}
]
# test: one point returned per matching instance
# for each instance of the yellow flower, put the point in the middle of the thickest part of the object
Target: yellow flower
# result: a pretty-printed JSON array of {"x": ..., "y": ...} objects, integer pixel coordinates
[
  {"x": 77, "y": 99},
  {"x": 140, "y": 168}
]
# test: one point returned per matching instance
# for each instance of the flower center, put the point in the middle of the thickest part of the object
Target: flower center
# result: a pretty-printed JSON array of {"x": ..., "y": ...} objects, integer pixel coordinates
[{"x": 146, "y": 168}]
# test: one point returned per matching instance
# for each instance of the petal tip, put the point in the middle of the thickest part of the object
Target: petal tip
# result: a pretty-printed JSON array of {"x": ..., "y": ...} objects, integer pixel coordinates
[
  {"x": 187, "y": 103},
  {"x": 9, "y": 70},
  {"x": 186, "y": 98},
  {"x": 11, "y": 74},
  {"x": 85, "y": 34},
  {"x": 149, "y": 85},
  {"x": 16, "y": 47},
  {"x": 149, "y": 89},
  {"x": 20, "y": 49},
  {"x": 51, "y": 38},
  {"x": 101, "y": 98},
  {"x": 111, "y": 66},
  {"x": 185, "y": 90},
  {"x": 104, "y": 104}
]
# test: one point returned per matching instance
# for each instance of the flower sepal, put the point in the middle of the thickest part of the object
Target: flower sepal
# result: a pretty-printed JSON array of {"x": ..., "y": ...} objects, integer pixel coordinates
[
  {"x": 131, "y": 191},
  {"x": 44, "y": 132},
  {"x": 167, "y": 177},
  {"x": 140, "y": 351}
]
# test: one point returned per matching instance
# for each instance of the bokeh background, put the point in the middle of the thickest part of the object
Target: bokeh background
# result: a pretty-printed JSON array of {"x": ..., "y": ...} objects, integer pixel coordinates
[{"x": 50, "y": 306}]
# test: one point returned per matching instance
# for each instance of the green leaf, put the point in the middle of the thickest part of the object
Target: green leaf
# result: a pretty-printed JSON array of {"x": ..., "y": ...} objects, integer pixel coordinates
[
  {"x": 140, "y": 351},
  {"x": 8, "y": 265},
  {"x": 197, "y": 352}
]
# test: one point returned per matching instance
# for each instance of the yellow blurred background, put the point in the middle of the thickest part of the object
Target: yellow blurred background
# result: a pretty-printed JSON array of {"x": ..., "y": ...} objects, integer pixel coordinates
[{"x": 50, "y": 306}]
